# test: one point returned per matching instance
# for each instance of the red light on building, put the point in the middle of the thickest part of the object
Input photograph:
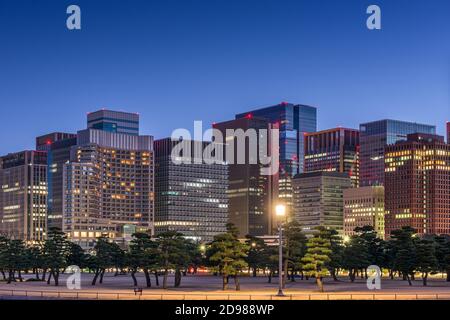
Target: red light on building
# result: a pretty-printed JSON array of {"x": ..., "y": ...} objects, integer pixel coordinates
[
  {"x": 249, "y": 116},
  {"x": 48, "y": 142}
]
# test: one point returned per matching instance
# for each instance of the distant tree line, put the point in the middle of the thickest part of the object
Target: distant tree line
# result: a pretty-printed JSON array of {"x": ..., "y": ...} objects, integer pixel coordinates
[{"x": 324, "y": 254}]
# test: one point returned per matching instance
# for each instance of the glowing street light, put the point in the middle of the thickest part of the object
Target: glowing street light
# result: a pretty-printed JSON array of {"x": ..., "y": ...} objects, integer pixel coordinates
[{"x": 280, "y": 211}]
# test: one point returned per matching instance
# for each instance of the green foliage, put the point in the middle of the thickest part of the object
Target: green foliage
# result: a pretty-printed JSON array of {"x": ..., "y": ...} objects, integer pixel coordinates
[
  {"x": 294, "y": 246},
  {"x": 227, "y": 255},
  {"x": 257, "y": 254},
  {"x": 317, "y": 255}
]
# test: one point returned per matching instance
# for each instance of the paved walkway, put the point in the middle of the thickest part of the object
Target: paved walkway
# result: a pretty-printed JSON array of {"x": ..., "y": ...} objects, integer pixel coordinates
[{"x": 201, "y": 287}]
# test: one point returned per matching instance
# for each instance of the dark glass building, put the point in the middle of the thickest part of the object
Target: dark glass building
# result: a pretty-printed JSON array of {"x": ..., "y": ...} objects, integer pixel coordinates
[
  {"x": 251, "y": 194},
  {"x": 333, "y": 150},
  {"x": 294, "y": 120},
  {"x": 374, "y": 137},
  {"x": 190, "y": 198},
  {"x": 57, "y": 145},
  {"x": 114, "y": 121},
  {"x": 448, "y": 132}
]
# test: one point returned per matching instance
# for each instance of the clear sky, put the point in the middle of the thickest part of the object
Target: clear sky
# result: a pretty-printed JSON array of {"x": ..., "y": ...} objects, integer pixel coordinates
[{"x": 179, "y": 61}]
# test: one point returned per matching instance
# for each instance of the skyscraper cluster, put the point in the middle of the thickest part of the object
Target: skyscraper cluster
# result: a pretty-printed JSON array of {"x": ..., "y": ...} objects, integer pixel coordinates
[{"x": 108, "y": 180}]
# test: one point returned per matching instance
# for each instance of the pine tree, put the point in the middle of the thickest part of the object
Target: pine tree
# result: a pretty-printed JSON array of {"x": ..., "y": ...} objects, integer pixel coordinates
[
  {"x": 228, "y": 255},
  {"x": 317, "y": 256}
]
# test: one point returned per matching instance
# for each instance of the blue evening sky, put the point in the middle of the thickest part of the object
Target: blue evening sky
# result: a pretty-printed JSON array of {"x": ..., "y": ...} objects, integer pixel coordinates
[{"x": 179, "y": 61}]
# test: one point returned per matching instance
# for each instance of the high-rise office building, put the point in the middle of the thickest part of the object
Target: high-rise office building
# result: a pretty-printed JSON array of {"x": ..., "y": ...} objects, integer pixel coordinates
[
  {"x": 108, "y": 186},
  {"x": 23, "y": 195},
  {"x": 364, "y": 207},
  {"x": 318, "y": 199},
  {"x": 448, "y": 132},
  {"x": 57, "y": 145},
  {"x": 373, "y": 137},
  {"x": 114, "y": 121},
  {"x": 251, "y": 194},
  {"x": 417, "y": 185},
  {"x": 293, "y": 120},
  {"x": 334, "y": 150},
  {"x": 190, "y": 198},
  {"x": 45, "y": 142}
]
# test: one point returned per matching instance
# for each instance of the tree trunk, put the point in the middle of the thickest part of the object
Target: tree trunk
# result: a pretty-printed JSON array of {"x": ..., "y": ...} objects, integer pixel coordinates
[
  {"x": 177, "y": 277},
  {"x": 56, "y": 277},
  {"x": 101, "y": 276},
  {"x": 166, "y": 273},
  {"x": 409, "y": 280},
  {"x": 319, "y": 282},
  {"x": 224, "y": 282},
  {"x": 292, "y": 275},
  {"x": 391, "y": 274},
  {"x": 236, "y": 282},
  {"x": 254, "y": 272},
  {"x": 147, "y": 278},
  {"x": 448, "y": 275},
  {"x": 94, "y": 281},
  {"x": 333, "y": 274},
  {"x": 270, "y": 276},
  {"x": 133, "y": 276},
  {"x": 49, "y": 276},
  {"x": 351, "y": 274},
  {"x": 424, "y": 278},
  {"x": 413, "y": 276},
  {"x": 156, "y": 278},
  {"x": 10, "y": 276}
]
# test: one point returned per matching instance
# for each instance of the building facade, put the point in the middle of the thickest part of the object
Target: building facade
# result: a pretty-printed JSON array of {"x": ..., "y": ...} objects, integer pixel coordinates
[
  {"x": 448, "y": 132},
  {"x": 319, "y": 200},
  {"x": 364, "y": 207},
  {"x": 251, "y": 194},
  {"x": 114, "y": 121},
  {"x": 57, "y": 145},
  {"x": 23, "y": 195},
  {"x": 293, "y": 120},
  {"x": 333, "y": 150},
  {"x": 417, "y": 185},
  {"x": 374, "y": 137},
  {"x": 108, "y": 186},
  {"x": 190, "y": 197}
]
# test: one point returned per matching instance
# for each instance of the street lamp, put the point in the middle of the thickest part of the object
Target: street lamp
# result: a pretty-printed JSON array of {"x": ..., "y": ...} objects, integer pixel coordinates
[{"x": 280, "y": 211}]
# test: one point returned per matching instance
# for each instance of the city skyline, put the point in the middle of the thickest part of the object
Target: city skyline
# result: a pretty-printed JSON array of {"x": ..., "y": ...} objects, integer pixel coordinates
[{"x": 130, "y": 58}]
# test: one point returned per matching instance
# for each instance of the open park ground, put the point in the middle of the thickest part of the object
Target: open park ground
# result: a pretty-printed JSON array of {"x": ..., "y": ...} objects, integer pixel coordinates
[{"x": 208, "y": 287}]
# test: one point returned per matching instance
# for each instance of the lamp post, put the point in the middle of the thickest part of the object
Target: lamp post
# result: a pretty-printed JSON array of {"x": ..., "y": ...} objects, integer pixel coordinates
[{"x": 280, "y": 211}]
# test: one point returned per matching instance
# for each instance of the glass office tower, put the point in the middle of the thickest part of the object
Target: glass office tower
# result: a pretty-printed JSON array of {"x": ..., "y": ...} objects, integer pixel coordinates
[
  {"x": 57, "y": 145},
  {"x": 114, "y": 121},
  {"x": 190, "y": 198},
  {"x": 294, "y": 120},
  {"x": 374, "y": 137}
]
